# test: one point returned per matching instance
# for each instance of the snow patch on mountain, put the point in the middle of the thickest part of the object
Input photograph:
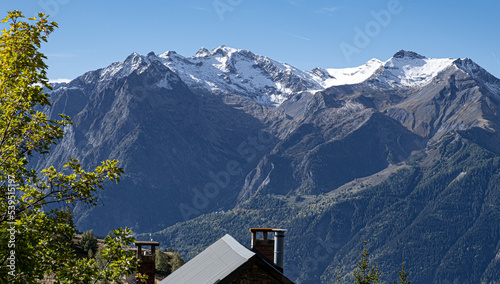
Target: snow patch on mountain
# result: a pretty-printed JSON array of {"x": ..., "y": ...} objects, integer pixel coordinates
[
  {"x": 350, "y": 76},
  {"x": 477, "y": 72},
  {"x": 469, "y": 66},
  {"x": 125, "y": 68},
  {"x": 236, "y": 71},
  {"x": 350, "y": 107},
  {"x": 404, "y": 69},
  {"x": 489, "y": 81},
  {"x": 59, "y": 81},
  {"x": 409, "y": 69},
  {"x": 163, "y": 83}
]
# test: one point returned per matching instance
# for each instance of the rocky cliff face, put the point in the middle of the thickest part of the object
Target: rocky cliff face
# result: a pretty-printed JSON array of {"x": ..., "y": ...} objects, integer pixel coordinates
[{"x": 171, "y": 142}]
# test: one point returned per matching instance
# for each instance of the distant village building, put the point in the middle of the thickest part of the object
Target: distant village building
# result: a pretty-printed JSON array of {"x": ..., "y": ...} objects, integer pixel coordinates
[{"x": 228, "y": 261}]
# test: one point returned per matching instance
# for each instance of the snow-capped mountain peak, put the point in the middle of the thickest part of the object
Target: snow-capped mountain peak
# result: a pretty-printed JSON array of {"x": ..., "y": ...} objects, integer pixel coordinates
[
  {"x": 170, "y": 55},
  {"x": 410, "y": 69},
  {"x": 221, "y": 51},
  {"x": 472, "y": 68},
  {"x": 224, "y": 51},
  {"x": 121, "y": 69},
  {"x": 202, "y": 52},
  {"x": 477, "y": 72},
  {"x": 408, "y": 54},
  {"x": 225, "y": 70}
]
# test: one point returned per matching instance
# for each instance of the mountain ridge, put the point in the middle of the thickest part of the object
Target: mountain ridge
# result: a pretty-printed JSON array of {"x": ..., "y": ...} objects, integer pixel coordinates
[{"x": 223, "y": 58}]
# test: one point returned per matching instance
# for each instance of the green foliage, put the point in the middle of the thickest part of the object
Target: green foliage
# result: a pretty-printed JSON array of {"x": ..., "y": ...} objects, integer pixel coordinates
[
  {"x": 403, "y": 275},
  {"x": 110, "y": 264},
  {"x": 162, "y": 263},
  {"x": 71, "y": 217},
  {"x": 365, "y": 273},
  {"x": 177, "y": 261},
  {"x": 89, "y": 243},
  {"x": 99, "y": 259},
  {"x": 36, "y": 243},
  {"x": 338, "y": 276}
]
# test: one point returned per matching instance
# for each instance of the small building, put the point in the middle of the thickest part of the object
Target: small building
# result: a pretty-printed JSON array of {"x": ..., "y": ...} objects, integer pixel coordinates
[{"x": 228, "y": 261}]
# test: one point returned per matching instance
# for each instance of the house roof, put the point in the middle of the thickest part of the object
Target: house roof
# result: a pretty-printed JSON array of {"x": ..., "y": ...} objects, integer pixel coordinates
[
  {"x": 218, "y": 263},
  {"x": 213, "y": 264}
]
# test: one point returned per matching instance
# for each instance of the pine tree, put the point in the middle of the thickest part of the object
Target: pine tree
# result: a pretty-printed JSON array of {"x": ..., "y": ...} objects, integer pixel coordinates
[
  {"x": 99, "y": 259},
  {"x": 177, "y": 261},
  {"x": 161, "y": 263},
  {"x": 89, "y": 243},
  {"x": 365, "y": 273},
  {"x": 338, "y": 275},
  {"x": 403, "y": 274},
  {"x": 70, "y": 217}
]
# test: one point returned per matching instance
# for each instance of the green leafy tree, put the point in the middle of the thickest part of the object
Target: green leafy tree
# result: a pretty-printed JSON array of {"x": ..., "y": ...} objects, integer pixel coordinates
[
  {"x": 177, "y": 261},
  {"x": 365, "y": 273},
  {"x": 114, "y": 262},
  {"x": 89, "y": 243},
  {"x": 36, "y": 243},
  {"x": 161, "y": 263}
]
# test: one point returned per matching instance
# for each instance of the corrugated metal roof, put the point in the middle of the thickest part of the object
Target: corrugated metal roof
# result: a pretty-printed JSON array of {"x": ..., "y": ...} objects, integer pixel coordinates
[{"x": 213, "y": 264}]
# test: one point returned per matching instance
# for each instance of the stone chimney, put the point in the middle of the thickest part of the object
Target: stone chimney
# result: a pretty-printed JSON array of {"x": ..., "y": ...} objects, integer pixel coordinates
[
  {"x": 271, "y": 244},
  {"x": 147, "y": 260}
]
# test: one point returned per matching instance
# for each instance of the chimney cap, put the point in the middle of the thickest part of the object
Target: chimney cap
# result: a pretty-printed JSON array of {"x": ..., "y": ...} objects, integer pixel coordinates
[
  {"x": 280, "y": 230},
  {"x": 147, "y": 243},
  {"x": 263, "y": 229}
]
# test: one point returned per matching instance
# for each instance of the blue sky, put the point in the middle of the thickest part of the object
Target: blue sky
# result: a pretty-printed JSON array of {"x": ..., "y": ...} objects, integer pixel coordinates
[{"x": 303, "y": 33}]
